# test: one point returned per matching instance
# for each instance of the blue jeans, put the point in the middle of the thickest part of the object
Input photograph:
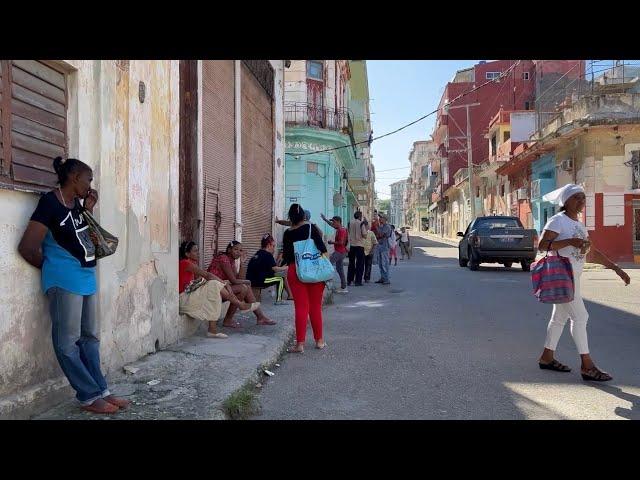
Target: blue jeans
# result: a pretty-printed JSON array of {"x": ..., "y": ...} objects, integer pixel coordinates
[
  {"x": 382, "y": 256},
  {"x": 337, "y": 259},
  {"x": 76, "y": 343}
]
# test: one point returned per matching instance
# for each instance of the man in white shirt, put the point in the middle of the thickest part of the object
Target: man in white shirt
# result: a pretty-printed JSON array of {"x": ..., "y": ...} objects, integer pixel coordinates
[{"x": 405, "y": 243}]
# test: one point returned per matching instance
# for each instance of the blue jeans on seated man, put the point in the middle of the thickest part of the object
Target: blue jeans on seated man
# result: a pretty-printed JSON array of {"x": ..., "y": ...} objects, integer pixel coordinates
[
  {"x": 382, "y": 256},
  {"x": 76, "y": 343}
]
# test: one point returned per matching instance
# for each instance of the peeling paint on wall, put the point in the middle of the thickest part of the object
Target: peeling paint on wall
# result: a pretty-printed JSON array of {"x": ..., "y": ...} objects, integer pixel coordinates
[{"x": 133, "y": 148}]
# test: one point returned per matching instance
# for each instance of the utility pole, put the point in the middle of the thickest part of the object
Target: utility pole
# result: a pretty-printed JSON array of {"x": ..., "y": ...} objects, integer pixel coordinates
[{"x": 472, "y": 202}]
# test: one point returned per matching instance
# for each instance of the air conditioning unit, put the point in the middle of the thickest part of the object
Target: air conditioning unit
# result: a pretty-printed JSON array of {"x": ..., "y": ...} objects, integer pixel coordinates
[
  {"x": 523, "y": 194},
  {"x": 567, "y": 165}
]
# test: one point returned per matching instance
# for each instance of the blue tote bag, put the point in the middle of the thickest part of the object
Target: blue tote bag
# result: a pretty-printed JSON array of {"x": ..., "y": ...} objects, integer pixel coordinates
[{"x": 311, "y": 265}]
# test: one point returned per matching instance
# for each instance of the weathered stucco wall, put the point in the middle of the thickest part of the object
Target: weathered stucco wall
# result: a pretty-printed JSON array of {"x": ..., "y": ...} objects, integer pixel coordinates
[{"x": 133, "y": 148}]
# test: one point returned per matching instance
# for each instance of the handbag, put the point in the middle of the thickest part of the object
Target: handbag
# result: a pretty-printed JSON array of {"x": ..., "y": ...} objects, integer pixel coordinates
[
  {"x": 195, "y": 284},
  {"x": 105, "y": 243},
  {"x": 552, "y": 278},
  {"x": 311, "y": 265}
]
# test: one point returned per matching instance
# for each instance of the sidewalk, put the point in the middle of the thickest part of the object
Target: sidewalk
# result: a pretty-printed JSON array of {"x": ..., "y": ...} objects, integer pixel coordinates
[
  {"x": 436, "y": 238},
  {"x": 193, "y": 378}
]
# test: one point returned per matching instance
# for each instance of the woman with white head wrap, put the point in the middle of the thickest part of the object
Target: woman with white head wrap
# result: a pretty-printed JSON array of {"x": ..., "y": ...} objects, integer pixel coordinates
[{"x": 567, "y": 236}]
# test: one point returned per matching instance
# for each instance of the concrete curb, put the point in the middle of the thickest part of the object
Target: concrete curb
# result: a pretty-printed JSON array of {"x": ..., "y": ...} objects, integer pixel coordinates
[{"x": 436, "y": 238}]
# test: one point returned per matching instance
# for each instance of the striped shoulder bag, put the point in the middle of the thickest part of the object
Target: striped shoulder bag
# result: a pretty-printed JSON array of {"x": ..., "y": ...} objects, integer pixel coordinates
[{"x": 552, "y": 278}]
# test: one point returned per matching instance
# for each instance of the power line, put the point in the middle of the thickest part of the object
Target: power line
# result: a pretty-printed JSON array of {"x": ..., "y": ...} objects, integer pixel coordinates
[
  {"x": 391, "y": 169},
  {"x": 463, "y": 94}
]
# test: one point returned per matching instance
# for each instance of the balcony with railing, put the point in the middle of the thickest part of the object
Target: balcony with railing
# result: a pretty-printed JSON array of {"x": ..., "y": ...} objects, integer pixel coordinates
[{"x": 312, "y": 115}]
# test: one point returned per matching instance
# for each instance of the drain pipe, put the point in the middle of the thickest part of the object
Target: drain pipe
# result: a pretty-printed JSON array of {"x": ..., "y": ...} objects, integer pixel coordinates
[{"x": 238, "y": 148}]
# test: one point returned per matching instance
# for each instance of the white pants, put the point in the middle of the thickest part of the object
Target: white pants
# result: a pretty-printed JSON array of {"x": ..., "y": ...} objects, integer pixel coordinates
[{"x": 577, "y": 315}]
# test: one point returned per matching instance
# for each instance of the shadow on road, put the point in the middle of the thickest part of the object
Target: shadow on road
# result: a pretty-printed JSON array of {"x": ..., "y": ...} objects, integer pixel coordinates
[{"x": 632, "y": 413}]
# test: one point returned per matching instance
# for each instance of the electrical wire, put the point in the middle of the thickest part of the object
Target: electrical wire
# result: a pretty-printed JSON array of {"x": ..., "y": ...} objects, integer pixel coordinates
[{"x": 391, "y": 169}]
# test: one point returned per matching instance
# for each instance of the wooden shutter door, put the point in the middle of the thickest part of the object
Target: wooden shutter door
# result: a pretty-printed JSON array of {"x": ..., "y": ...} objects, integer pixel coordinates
[{"x": 38, "y": 120}]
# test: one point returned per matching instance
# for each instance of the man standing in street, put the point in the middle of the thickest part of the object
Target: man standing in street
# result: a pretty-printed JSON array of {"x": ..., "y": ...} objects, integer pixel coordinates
[
  {"x": 356, "y": 250},
  {"x": 382, "y": 251},
  {"x": 340, "y": 249},
  {"x": 370, "y": 243},
  {"x": 405, "y": 243}
]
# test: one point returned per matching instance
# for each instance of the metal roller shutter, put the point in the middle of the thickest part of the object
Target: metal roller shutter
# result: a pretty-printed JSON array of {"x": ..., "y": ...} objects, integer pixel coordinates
[
  {"x": 257, "y": 159},
  {"x": 218, "y": 151}
]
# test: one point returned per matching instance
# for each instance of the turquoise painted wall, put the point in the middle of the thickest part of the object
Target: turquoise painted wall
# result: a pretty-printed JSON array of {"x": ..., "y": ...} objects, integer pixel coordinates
[{"x": 543, "y": 169}]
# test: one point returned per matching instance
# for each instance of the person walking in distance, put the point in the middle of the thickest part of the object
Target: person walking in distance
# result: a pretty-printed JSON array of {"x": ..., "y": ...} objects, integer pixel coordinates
[
  {"x": 383, "y": 233},
  {"x": 393, "y": 246},
  {"x": 356, "y": 250},
  {"x": 405, "y": 243},
  {"x": 370, "y": 242},
  {"x": 57, "y": 242},
  {"x": 307, "y": 297},
  {"x": 340, "y": 249},
  {"x": 565, "y": 235}
]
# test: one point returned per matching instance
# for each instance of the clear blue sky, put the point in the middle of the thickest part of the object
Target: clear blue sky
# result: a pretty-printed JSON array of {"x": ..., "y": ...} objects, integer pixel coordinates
[{"x": 402, "y": 91}]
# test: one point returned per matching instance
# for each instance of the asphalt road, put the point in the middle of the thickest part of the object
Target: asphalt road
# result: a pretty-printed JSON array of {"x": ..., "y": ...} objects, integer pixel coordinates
[{"x": 443, "y": 342}]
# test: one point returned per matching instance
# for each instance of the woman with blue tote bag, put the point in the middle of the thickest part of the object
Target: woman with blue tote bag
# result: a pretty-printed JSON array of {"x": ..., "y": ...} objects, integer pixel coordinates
[{"x": 305, "y": 253}]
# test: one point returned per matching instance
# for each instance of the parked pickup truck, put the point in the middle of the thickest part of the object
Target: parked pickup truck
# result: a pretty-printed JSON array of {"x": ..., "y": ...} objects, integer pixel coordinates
[{"x": 497, "y": 239}]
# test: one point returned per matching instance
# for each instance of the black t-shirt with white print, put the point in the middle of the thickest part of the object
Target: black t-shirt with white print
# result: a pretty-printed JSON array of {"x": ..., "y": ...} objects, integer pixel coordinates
[{"x": 68, "y": 228}]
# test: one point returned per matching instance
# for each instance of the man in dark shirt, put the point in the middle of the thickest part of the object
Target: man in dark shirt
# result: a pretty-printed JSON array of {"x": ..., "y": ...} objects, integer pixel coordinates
[{"x": 262, "y": 270}]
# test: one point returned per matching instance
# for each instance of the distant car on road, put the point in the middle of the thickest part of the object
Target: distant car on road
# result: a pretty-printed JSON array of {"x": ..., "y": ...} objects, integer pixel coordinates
[{"x": 497, "y": 239}]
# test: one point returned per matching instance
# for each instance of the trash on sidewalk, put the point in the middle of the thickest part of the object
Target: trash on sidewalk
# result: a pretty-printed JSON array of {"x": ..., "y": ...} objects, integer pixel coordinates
[
  {"x": 130, "y": 369},
  {"x": 267, "y": 372},
  {"x": 258, "y": 385},
  {"x": 153, "y": 382}
]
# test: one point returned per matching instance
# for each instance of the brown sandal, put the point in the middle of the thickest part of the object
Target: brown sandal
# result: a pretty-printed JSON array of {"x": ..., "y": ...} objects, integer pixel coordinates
[
  {"x": 554, "y": 365},
  {"x": 596, "y": 375}
]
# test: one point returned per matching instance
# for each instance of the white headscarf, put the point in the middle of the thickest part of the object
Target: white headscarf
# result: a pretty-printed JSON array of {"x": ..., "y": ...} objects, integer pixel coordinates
[{"x": 562, "y": 194}]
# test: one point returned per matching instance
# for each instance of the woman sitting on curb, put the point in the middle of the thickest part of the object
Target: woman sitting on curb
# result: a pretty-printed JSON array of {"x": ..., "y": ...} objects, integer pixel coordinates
[
  {"x": 205, "y": 301},
  {"x": 222, "y": 265},
  {"x": 263, "y": 272}
]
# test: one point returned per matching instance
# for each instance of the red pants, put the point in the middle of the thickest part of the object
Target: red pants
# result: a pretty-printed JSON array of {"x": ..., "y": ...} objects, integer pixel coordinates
[{"x": 307, "y": 299}]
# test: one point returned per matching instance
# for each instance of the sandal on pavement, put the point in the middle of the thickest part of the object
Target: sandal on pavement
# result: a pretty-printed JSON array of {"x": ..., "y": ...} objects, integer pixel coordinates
[
  {"x": 265, "y": 321},
  {"x": 252, "y": 308},
  {"x": 295, "y": 349},
  {"x": 596, "y": 375},
  {"x": 320, "y": 347},
  {"x": 217, "y": 335},
  {"x": 555, "y": 365}
]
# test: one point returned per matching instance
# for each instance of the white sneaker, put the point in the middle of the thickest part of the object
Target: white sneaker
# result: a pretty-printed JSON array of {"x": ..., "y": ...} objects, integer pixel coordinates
[{"x": 342, "y": 290}]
